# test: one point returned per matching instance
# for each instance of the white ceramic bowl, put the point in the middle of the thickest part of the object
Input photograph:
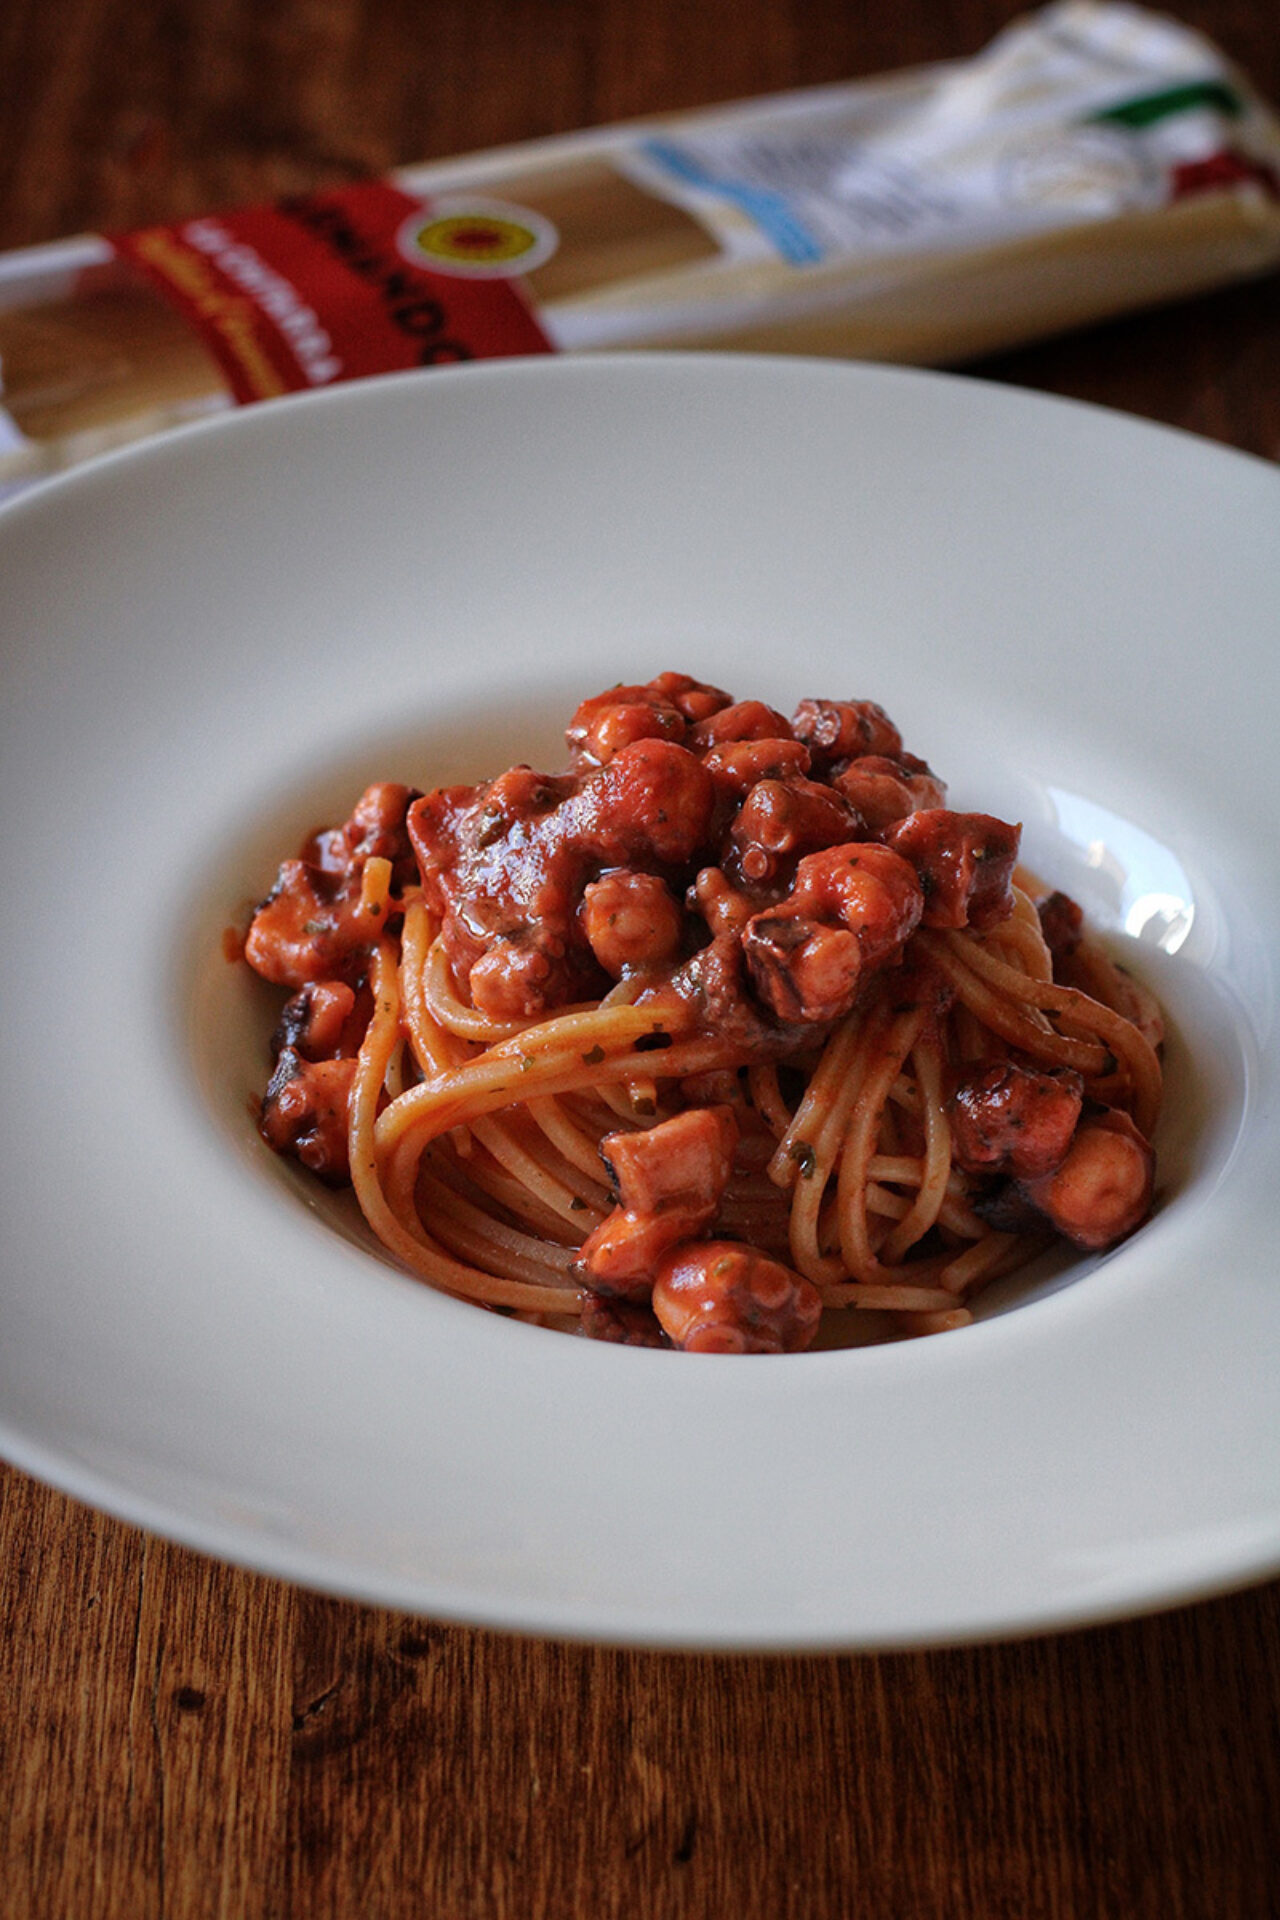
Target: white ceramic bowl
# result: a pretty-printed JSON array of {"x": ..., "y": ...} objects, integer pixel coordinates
[{"x": 213, "y": 642}]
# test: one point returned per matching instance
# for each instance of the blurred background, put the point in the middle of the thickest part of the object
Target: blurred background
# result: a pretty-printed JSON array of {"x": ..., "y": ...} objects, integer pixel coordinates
[{"x": 115, "y": 115}]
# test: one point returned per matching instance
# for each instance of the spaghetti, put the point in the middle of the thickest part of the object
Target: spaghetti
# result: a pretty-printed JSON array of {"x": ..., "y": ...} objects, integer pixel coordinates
[{"x": 730, "y": 1026}]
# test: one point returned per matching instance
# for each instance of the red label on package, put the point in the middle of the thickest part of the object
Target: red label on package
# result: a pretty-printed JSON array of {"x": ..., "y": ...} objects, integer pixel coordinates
[{"x": 335, "y": 286}]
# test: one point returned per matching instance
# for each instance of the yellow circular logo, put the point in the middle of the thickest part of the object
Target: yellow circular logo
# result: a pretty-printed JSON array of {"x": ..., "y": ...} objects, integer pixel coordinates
[{"x": 479, "y": 240}]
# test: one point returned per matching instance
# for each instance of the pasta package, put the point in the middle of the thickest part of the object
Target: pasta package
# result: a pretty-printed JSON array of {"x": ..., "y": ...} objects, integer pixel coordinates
[{"x": 1094, "y": 158}]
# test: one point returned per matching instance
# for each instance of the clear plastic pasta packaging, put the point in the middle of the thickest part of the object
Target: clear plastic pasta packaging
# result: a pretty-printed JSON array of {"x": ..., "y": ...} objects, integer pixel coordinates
[
  {"x": 1095, "y": 157},
  {"x": 726, "y": 1036}
]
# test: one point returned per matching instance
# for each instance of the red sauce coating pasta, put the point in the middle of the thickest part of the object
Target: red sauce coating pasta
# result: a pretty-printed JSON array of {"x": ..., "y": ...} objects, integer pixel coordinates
[{"x": 728, "y": 1027}]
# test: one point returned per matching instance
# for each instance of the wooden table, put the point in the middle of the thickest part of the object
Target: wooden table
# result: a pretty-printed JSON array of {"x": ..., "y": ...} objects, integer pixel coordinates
[{"x": 180, "y": 1739}]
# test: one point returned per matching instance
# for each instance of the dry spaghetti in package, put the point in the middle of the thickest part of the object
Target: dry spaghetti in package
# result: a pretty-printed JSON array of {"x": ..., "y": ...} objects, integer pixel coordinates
[{"x": 1096, "y": 157}]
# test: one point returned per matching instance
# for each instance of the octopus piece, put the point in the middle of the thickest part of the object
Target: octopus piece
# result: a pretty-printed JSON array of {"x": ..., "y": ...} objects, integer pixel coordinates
[
  {"x": 603, "y": 726},
  {"x": 312, "y": 925},
  {"x": 682, "y": 1163},
  {"x": 447, "y": 827},
  {"x": 693, "y": 698},
  {"x": 852, "y": 909},
  {"x": 1015, "y": 1120},
  {"x": 522, "y": 974},
  {"x": 519, "y": 798},
  {"x": 806, "y": 970},
  {"x": 652, "y": 804},
  {"x": 836, "y": 730},
  {"x": 632, "y": 921},
  {"x": 744, "y": 720},
  {"x": 619, "y": 1258},
  {"x": 716, "y": 984},
  {"x": 305, "y": 1113},
  {"x": 720, "y": 1296},
  {"x": 781, "y": 819},
  {"x": 965, "y": 865},
  {"x": 738, "y": 765},
  {"x": 1102, "y": 1190},
  {"x": 466, "y": 837},
  {"x": 662, "y": 709},
  {"x": 377, "y": 829},
  {"x": 669, "y": 1180},
  {"x": 884, "y": 790},
  {"x": 724, "y": 907},
  {"x": 321, "y": 1021}
]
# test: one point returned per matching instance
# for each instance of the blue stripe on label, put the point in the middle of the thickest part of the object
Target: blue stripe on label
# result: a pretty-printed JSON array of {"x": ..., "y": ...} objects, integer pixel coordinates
[{"x": 770, "y": 211}]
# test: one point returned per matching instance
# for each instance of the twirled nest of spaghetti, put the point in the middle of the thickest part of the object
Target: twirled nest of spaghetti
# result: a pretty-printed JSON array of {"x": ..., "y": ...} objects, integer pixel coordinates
[{"x": 731, "y": 1025}]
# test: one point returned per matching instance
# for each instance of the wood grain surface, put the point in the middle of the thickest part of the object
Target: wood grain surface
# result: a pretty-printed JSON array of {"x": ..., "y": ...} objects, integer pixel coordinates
[{"x": 178, "y": 1738}]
